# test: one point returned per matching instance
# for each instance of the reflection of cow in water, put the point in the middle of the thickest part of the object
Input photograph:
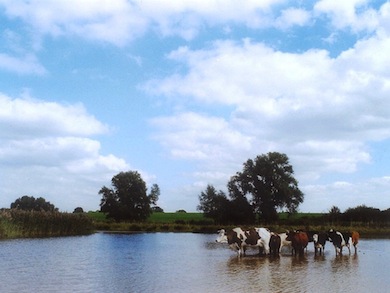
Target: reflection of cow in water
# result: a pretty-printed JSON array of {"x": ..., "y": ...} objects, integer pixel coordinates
[{"x": 239, "y": 239}]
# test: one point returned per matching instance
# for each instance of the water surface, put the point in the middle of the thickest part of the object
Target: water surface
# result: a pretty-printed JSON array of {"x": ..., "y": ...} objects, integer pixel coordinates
[{"x": 182, "y": 262}]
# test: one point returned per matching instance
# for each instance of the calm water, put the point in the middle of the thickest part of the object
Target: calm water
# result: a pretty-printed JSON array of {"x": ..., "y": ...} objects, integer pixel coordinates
[{"x": 185, "y": 262}]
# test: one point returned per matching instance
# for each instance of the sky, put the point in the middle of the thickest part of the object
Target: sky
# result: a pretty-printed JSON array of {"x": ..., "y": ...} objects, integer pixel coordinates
[{"x": 184, "y": 92}]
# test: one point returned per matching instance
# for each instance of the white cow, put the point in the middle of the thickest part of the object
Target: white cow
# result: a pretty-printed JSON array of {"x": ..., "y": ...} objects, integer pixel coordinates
[
  {"x": 284, "y": 242},
  {"x": 265, "y": 236}
]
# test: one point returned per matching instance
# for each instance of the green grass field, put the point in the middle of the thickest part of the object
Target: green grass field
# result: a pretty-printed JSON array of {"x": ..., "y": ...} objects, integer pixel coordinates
[
  {"x": 196, "y": 222},
  {"x": 157, "y": 217},
  {"x": 174, "y": 217}
]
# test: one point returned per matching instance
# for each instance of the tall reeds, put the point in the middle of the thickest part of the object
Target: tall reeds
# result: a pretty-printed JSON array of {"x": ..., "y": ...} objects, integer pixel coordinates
[{"x": 18, "y": 223}]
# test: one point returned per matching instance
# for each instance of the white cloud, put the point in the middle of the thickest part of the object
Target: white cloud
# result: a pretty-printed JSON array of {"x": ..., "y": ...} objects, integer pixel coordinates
[
  {"x": 46, "y": 150},
  {"x": 115, "y": 21},
  {"x": 25, "y": 65},
  {"x": 349, "y": 14},
  {"x": 291, "y": 17},
  {"x": 308, "y": 105},
  {"x": 120, "y": 21},
  {"x": 194, "y": 136},
  {"x": 26, "y": 117}
]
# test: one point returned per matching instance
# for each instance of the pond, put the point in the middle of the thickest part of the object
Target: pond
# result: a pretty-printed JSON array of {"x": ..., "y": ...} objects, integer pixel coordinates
[{"x": 182, "y": 262}]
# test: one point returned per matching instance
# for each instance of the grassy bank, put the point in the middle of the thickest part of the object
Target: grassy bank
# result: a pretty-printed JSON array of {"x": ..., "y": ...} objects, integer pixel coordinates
[
  {"x": 29, "y": 224},
  {"x": 196, "y": 222}
]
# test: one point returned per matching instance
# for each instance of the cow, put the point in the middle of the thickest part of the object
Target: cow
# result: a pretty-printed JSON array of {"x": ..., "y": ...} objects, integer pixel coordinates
[
  {"x": 340, "y": 240},
  {"x": 274, "y": 244},
  {"x": 265, "y": 236},
  {"x": 284, "y": 242},
  {"x": 239, "y": 239},
  {"x": 299, "y": 241},
  {"x": 309, "y": 234},
  {"x": 319, "y": 240}
]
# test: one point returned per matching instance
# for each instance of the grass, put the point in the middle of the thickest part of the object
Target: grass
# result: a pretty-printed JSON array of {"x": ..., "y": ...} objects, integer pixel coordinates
[
  {"x": 196, "y": 222},
  {"x": 174, "y": 217}
]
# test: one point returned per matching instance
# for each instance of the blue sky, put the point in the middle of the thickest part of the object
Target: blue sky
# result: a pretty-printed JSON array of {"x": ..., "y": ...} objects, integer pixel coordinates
[{"x": 184, "y": 92}]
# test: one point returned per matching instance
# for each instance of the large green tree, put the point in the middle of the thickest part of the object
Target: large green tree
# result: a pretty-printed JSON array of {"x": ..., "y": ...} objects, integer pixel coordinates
[
  {"x": 30, "y": 203},
  {"x": 128, "y": 199},
  {"x": 269, "y": 182}
]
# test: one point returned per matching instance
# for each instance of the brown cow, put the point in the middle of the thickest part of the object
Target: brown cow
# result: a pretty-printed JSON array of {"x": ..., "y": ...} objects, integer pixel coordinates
[
  {"x": 299, "y": 241},
  {"x": 355, "y": 239}
]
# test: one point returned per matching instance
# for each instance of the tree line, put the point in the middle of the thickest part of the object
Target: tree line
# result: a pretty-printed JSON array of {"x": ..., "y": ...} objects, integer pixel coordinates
[
  {"x": 258, "y": 193},
  {"x": 360, "y": 214}
]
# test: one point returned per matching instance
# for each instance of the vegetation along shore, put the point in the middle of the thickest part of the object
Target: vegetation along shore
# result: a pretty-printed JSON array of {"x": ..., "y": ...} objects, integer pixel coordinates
[
  {"x": 197, "y": 223},
  {"x": 34, "y": 224}
]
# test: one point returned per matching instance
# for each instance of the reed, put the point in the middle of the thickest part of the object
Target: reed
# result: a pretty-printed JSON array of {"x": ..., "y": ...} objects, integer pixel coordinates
[{"x": 28, "y": 224}]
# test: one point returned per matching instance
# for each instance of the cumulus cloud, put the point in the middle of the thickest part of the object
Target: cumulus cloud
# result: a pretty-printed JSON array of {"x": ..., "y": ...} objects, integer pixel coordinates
[
  {"x": 120, "y": 22},
  {"x": 46, "y": 149},
  {"x": 328, "y": 108},
  {"x": 115, "y": 22},
  {"x": 26, "y": 117},
  {"x": 200, "y": 137},
  {"x": 354, "y": 14},
  {"x": 291, "y": 17}
]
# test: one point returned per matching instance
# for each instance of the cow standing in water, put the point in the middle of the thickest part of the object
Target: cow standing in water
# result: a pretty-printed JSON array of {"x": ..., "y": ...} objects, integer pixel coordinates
[
  {"x": 239, "y": 239},
  {"x": 319, "y": 242},
  {"x": 340, "y": 240},
  {"x": 265, "y": 236},
  {"x": 284, "y": 242},
  {"x": 299, "y": 241},
  {"x": 274, "y": 244}
]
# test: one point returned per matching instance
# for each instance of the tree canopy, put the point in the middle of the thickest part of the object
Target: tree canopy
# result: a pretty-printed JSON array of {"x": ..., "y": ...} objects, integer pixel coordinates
[
  {"x": 268, "y": 181},
  {"x": 30, "y": 203},
  {"x": 128, "y": 199},
  {"x": 264, "y": 185}
]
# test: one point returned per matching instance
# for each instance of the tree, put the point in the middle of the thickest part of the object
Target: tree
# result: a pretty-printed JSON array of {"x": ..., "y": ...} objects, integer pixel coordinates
[
  {"x": 30, "y": 203},
  {"x": 334, "y": 214},
  {"x": 334, "y": 210},
  {"x": 213, "y": 204},
  {"x": 127, "y": 200},
  {"x": 269, "y": 182},
  {"x": 154, "y": 194},
  {"x": 78, "y": 210}
]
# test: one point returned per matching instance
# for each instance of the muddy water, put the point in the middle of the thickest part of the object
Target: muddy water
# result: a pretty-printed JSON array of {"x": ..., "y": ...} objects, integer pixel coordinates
[{"x": 185, "y": 262}]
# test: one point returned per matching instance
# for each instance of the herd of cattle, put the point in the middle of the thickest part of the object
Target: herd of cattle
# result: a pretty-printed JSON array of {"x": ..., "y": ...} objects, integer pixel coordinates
[{"x": 271, "y": 243}]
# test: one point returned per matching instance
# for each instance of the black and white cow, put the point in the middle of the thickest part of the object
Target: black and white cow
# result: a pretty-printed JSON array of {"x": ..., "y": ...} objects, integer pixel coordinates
[
  {"x": 340, "y": 240},
  {"x": 284, "y": 242},
  {"x": 319, "y": 240},
  {"x": 239, "y": 239}
]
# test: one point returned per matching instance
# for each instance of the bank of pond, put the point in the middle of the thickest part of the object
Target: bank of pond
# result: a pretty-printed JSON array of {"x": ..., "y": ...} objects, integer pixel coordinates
[{"x": 36, "y": 224}]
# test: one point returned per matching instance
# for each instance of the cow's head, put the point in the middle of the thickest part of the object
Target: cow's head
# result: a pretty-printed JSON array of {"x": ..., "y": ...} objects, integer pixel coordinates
[{"x": 222, "y": 237}]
